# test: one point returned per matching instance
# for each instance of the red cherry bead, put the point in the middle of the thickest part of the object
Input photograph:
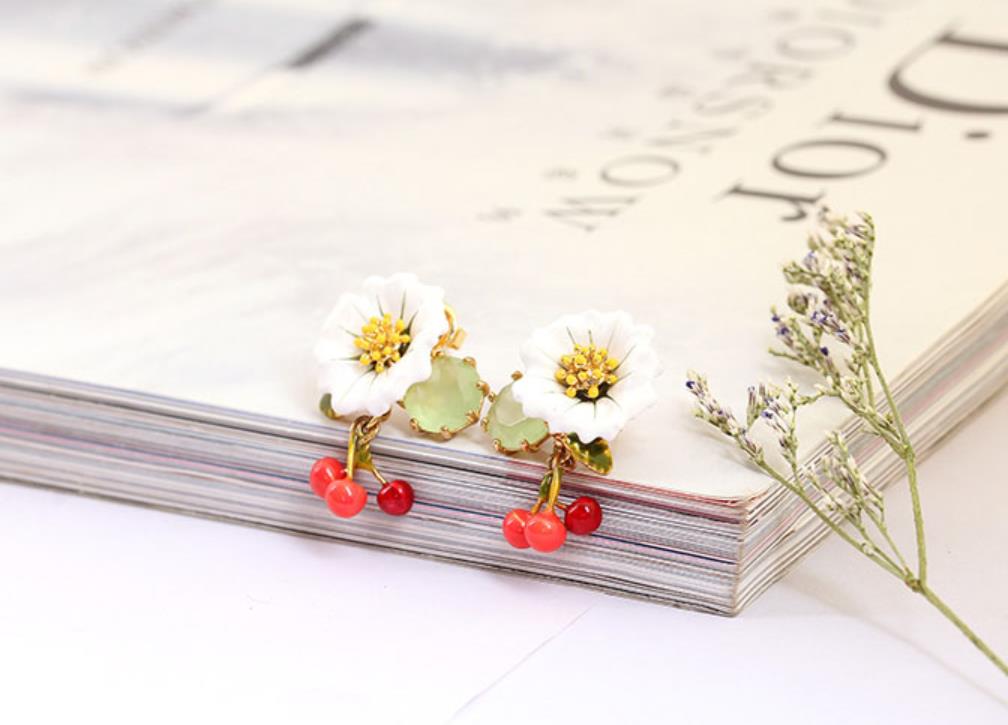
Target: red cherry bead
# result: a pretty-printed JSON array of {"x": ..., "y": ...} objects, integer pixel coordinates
[
  {"x": 545, "y": 532},
  {"x": 345, "y": 498},
  {"x": 395, "y": 498},
  {"x": 583, "y": 516},
  {"x": 324, "y": 472},
  {"x": 514, "y": 528}
]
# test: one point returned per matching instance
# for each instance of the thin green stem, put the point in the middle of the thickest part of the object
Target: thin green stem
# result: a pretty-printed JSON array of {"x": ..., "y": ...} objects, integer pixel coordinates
[
  {"x": 868, "y": 417},
  {"x": 884, "y": 530},
  {"x": 885, "y": 562},
  {"x": 797, "y": 490},
  {"x": 942, "y": 607},
  {"x": 906, "y": 452},
  {"x": 862, "y": 505},
  {"x": 869, "y": 387}
]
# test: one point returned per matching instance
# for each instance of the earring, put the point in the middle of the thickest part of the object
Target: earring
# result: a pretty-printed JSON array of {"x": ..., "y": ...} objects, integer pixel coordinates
[
  {"x": 585, "y": 377},
  {"x": 389, "y": 344}
]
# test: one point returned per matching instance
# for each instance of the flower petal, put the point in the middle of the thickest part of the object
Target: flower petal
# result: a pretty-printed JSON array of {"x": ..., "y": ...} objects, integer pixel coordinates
[
  {"x": 343, "y": 324},
  {"x": 347, "y": 385},
  {"x": 591, "y": 420},
  {"x": 633, "y": 395}
]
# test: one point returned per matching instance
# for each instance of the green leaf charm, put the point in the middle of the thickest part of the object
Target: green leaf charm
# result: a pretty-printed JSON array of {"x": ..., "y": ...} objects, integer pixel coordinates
[
  {"x": 449, "y": 400},
  {"x": 596, "y": 455},
  {"x": 544, "y": 486},
  {"x": 325, "y": 405},
  {"x": 508, "y": 426}
]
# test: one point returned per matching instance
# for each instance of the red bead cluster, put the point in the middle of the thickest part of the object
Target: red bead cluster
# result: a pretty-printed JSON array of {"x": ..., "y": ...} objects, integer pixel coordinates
[
  {"x": 346, "y": 498},
  {"x": 543, "y": 531}
]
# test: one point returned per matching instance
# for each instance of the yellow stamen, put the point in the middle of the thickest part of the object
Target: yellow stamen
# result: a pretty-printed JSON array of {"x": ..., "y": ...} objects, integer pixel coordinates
[
  {"x": 383, "y": 341},
  {"x": 587, "y": 372}
]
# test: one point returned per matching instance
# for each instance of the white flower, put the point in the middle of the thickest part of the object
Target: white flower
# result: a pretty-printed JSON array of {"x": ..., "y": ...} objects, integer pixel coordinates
[
  {"x": 376, "y": 344},
  {"x": 588, "y": 374}
]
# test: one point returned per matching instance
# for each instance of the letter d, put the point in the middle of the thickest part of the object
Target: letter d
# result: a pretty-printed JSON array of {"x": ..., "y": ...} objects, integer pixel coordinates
[{"x": 948, "y": 43}]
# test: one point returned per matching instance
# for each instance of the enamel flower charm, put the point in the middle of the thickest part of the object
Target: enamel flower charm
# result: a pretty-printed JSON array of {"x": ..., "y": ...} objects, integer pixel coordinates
[
  {"x": 385, "y": 345},
  {"x": 376, "y": 344},
  {"x": 588, "y": 374},
  {"x": 585, "y": 377}
]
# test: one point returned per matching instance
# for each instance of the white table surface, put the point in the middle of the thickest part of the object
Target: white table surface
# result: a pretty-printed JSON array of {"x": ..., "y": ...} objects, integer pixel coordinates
[{"x": 115, "y": 613}]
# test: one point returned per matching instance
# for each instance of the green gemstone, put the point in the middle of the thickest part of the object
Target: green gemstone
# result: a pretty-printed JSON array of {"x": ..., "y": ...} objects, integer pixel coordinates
[
  {"x": 510, "y": 428},
  {"x": 449, "y": 400}
]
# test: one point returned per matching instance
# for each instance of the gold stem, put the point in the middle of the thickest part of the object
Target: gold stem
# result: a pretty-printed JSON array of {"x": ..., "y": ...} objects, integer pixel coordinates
[
  {"x": 362, "y": 432},
  {"x": 554, "y": 491},
  {"x": 351, "y": 453}
]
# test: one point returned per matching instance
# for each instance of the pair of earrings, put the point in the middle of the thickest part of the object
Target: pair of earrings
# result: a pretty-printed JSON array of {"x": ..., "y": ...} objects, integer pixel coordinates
[{"x": 585, "y": 376}]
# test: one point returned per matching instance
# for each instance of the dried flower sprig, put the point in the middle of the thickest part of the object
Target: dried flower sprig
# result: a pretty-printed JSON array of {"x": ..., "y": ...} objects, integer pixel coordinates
[{"x": 827, "y": 329}]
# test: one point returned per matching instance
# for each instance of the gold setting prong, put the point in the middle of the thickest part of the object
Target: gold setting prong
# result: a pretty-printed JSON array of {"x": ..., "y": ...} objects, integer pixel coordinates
[
  {"x": 485, "y": 387},
  {"x": 470, "y": 361},
  {"x": 525, "y": 446},
  {"x": 533, "y": 447},
  {"x": 516, "y": 375},
  {"x": 446, "y": 433},
  {"x": 472, "y": 416},
  {"x": 414, "y": 425}
]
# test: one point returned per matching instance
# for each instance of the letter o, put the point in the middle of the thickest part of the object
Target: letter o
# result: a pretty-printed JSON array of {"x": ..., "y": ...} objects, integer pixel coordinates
[
  {"x": 815, "y": 43},
  {"x": 643, "y": 170},
  {"x": 877, "y": 158}
]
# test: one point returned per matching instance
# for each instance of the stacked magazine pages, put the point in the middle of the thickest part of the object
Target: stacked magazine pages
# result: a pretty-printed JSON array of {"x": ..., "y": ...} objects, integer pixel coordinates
[{"x": 191, "y": 186}]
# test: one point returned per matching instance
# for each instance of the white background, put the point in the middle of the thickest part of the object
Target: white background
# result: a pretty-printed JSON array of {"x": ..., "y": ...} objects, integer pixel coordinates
[{"x": 114, "y": 613}]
